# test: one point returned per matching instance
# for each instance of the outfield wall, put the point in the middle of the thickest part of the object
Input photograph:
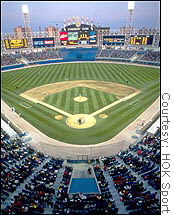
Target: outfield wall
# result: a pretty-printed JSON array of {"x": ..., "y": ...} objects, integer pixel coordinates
[
  {"x": 16, "y": 66},
  {"x": 47, "y": 63}
]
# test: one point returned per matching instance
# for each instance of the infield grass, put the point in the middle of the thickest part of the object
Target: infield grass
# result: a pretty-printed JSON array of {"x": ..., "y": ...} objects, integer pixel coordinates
[{"x": 65, "y": 100}]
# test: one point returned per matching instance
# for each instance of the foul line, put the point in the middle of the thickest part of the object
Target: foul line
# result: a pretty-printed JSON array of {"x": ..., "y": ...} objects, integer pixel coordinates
[
  {"x": 70, "y": 115},
  {"x": 46, "y": 105},
  {"x": 114, "y": 103}
]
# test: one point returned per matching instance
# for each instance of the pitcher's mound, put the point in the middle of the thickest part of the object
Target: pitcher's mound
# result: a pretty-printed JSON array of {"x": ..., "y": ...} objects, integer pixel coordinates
[
  {"x": 79, "y": 121},
  {"x": 58, "y": 117},
  {"x": 80, "y": 99},
  {"x": 103, "y": 116}
]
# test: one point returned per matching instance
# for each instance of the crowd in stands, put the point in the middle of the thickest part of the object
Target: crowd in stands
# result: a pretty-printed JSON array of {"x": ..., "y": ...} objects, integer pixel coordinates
[
  {"x": 102, "y": 53},
  {"x": 14, "y": 172},
  {"x": 127, "y": 54},
  {"x": 92, "y": 204},
  {"x": 18, "y": 163},
  {"x": 143, "y": 159},
  {"x": 107, "y": 203},
  {"x": 37, "y": 194},
  {"x": 28, "y": 181},
  {"x": 8, "y": 60},
  {"x": 151, "y": 56},
  {"x": 123, "y": 54},
  {"x": 35, "y": 56}
]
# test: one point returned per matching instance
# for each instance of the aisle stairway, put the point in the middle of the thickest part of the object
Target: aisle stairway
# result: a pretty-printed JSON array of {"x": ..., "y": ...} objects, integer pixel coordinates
[
  {"x": 115, "y": 195},
  {"x": 139, "y": 178}
]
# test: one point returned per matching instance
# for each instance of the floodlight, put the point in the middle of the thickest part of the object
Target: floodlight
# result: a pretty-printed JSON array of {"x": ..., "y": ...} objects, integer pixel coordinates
[
  {"x": 25, "y": 9},
  {"x": 131, "y": 5}
]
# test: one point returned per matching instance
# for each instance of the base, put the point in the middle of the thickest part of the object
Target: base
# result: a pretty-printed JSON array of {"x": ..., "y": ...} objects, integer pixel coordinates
[
  {"x": 103, "y": 116},
  {"x": 58, "y": 117}
]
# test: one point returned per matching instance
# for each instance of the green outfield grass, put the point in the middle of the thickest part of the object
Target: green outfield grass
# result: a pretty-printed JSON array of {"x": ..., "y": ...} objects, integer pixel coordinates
[
  {"x": 144, "y": 78},
  {"x": 65, "y": 100}
]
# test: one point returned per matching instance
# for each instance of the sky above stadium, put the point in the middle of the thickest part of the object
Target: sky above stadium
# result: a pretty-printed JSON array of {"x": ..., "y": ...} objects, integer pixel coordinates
[{"x": 104, "y": 13}]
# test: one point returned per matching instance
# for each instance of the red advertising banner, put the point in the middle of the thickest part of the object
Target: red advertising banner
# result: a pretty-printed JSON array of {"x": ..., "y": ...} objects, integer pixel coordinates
[
  {"x": 63, "y": 35},
  {"x": 49, "y": 42}
]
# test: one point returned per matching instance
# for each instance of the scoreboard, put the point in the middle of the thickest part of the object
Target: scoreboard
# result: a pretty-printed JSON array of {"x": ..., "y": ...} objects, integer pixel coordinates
[
  {"x": 72, "y": 36},
  {"x": 117, "y": 40},
  {"x": 16, "y": 44},
  {"x": 78, "y": 37},
  {"x": 43, "y": 42},
  {"x": 141, "y": 39},
  {"x": 83, "y": 37}
]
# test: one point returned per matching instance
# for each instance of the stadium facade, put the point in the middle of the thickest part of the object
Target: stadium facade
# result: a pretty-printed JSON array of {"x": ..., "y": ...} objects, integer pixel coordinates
[{"x": 80, "y": 34}]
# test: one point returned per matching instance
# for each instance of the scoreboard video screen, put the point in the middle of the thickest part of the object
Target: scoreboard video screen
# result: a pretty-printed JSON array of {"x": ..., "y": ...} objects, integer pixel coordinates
[
  {"x": 117, "y": 40},
  {"x": 43, "y": 42},
  {"x": 141, "y": 39},
  {"x": 16, "y": 44},
  {"x": 72, "y": 35},
  {"x": 78, "y": 37},
  {"x": 83, "y": 37}
]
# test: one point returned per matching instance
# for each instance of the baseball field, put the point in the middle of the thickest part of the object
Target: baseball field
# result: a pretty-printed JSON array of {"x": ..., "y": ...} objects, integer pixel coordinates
[{"x": 105, "y": 97}]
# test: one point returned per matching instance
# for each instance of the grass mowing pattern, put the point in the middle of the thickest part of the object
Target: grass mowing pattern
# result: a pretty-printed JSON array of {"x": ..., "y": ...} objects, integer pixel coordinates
[
  {"x": 143, "y": 78},
  {"x": 65, "y": 100}
]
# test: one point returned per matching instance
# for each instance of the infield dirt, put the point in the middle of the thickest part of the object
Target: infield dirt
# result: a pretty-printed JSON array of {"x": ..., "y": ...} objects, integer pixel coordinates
[{"x": 119, "y": 90}]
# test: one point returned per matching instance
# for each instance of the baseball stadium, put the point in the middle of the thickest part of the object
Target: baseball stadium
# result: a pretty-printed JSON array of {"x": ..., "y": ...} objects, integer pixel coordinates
[{"x": 80, "y": 118}]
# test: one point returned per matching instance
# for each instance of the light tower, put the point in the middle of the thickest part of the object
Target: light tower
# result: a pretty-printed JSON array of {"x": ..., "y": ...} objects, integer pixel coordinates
[
  {"x": 156, "y": 36},
  {"x": 25, "y": 13},
  {"x": 131, "y": 6},
  {"x": 64, "y": 24}
]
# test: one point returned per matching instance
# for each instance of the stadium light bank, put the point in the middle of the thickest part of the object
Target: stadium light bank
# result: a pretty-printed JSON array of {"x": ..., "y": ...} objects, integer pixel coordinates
[{"x": 25, "y": 9}]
